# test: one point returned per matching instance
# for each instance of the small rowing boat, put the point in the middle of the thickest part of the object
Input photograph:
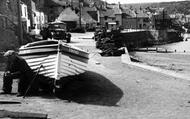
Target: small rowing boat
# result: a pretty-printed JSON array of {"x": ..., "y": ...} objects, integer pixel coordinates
[{"x": 56, "y": 58}]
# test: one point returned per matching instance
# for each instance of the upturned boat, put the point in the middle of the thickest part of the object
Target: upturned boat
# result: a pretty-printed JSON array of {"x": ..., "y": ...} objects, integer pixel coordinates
[{"x": 55, "y": 59}]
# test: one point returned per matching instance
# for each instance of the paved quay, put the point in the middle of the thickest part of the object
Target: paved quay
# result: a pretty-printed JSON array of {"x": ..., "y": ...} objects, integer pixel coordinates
[{"x": 112, "y": 90}]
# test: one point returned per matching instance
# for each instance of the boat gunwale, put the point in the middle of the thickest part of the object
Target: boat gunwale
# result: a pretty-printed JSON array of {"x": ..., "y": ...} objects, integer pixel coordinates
[
  {"x": 36, "y": 43},
  {"x": 35, "y": 47},
  {"x": 44, "y": 46},
  {"x": 40, "y": 53}
]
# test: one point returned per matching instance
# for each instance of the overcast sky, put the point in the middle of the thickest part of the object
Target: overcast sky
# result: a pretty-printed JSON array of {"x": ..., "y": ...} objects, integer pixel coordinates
[{"x": 138, "y": 1}]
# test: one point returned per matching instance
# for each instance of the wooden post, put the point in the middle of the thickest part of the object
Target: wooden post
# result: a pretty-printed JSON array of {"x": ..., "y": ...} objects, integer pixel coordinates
[{"x": 20, "y": 31}]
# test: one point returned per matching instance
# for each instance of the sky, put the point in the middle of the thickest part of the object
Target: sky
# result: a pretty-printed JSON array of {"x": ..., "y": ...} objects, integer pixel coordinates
[{"x": 138, "y": 1}]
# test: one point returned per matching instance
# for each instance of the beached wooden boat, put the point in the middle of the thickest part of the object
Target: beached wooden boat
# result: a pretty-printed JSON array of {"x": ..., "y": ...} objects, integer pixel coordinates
[{"x": 56, "y": 58}]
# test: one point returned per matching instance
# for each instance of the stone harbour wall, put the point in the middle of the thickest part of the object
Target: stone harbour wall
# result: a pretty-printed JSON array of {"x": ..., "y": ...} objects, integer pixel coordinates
[{"x": 145, "y": 38}]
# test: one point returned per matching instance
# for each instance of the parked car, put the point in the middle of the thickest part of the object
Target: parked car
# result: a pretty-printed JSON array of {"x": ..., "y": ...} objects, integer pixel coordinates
[{"x": 56, "y": 30}]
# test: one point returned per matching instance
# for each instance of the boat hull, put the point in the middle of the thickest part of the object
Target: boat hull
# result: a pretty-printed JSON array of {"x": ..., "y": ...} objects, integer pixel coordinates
[{"x": 57, "y": 60}]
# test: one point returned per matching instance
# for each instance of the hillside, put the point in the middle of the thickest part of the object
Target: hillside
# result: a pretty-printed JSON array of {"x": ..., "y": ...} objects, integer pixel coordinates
[
  {"x": 171, "y": 7},
  {"x": 75, "y": 2}
]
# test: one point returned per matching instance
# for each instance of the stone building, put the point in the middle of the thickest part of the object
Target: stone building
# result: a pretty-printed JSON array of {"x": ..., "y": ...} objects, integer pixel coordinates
[
  {"x": 136, "y": 19},
  {"x": 111, "y": 17},
  {"x": 24, "y": 17},
  {"x": 8, "y": 8},
  {"x": 8, "y": 25},
  {"x": 129, "y": 19},
  {"x": 161, "y": 19}
]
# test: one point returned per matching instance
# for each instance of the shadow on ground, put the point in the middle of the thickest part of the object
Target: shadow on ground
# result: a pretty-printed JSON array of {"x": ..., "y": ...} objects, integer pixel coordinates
[
  {"x": 87, "y": 88},
  {"x": 91, "y": 88}
]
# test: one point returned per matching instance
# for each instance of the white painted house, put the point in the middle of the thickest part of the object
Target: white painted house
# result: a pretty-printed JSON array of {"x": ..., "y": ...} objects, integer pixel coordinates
[
  {"x": 38, "y": 18},
  {"x": 24, "y": 17}
]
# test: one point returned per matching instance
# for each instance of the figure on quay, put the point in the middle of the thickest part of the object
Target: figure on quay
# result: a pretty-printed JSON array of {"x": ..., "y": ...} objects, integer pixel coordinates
[{"x": 17, "y": 68}]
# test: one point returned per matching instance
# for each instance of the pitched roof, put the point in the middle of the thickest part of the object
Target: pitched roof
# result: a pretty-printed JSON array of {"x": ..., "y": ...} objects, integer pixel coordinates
[
  {"x": 60, "y": 2},
  {"x": 33, "y": 5},
  {"x": 68, "y": 15},
  {"x": 117, "y": 10},
  {"x": 108, "y": 12},
  {"x": 89, "y": 8},
  {"x": 111, "y": 12},
  {"x": 141, "y": 14},
  {"x": 53, "y": 3},
  {"x": 86, "y": 17},
  {"x": 161, "y": 16},
  {"x": 129, "y": 12}
]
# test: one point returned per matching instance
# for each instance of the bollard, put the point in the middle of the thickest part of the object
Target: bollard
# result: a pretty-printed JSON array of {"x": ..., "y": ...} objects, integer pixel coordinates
[
  {"x": 175, "y": 50},
  {"x": 156, "y": 49}
]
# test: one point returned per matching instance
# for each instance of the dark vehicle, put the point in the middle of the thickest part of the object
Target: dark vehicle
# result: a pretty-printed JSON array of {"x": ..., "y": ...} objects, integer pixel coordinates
[{"x": 56, "y": 30}]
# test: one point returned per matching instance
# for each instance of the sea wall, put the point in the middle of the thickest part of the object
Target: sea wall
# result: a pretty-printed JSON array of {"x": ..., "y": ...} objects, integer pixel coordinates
[{"x": 145, "y": 38}]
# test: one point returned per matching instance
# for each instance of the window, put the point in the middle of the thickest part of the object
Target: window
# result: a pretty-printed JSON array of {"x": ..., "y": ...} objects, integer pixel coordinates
[
  {"x": 105, "y": 17},
  {"x": 117, "y": 22},
  {"x": 146, "y": 20},
  {"x": 38, "y": 26},
  {"x": 42, "y": 18},
  {"x": 106, "y": 24},
  {"x": 25, "y": 11},
  {"x": 140, "y": 26},
  {"x": 37, "y": 19}
]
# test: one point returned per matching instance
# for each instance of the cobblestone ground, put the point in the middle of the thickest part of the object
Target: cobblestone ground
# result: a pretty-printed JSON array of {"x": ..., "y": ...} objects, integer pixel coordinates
[{"x": 111, "y": 90}]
